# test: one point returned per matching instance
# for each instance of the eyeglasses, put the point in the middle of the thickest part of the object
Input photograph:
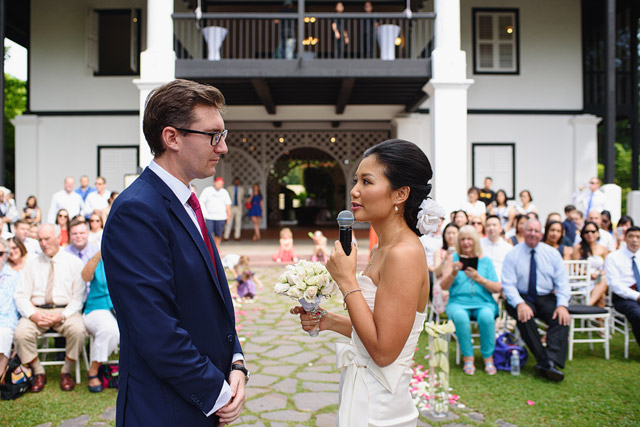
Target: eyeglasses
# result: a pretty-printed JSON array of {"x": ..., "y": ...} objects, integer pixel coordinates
[
  {"x": 590, "y": 231},
  {"x": 94, "y": 220},
  {"x": 2, "y": 253},
  {"x": 63, "y": 216},
  {"x": 476, "y": 223},
  {"x": 215, "y": 136}
]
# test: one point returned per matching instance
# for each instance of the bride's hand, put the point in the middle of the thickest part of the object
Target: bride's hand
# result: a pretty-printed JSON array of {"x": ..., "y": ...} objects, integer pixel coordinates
[
  {"x": 342, "y": 267},
  {"x": 310, "y": 322}
]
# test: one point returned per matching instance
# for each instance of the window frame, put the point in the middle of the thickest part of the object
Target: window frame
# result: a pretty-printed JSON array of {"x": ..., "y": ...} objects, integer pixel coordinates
[
  {"x": 512, "y": 145},
  {"x": 137, "y": 43},
  {"x": 516, "y": 42},
  {"x": 99, "y": 150}
]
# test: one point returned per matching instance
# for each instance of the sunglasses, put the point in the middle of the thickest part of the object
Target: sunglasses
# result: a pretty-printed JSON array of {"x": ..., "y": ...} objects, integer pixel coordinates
[
  {"x": 590, "y": 231},
  {"x": 2, "y": 253},
  {"x": 63, "y": 216},
  {"x": 476, "y": 223},
  {"x": 94, "y": 220}
]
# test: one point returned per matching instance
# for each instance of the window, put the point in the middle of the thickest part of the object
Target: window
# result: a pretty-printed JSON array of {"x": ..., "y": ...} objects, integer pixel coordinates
[
  {"x": 496, "y": 160},
  {"x": 115, "y": 162},
  {"x": 113, "y": 41},
  {"x": 495, "y": 41}
]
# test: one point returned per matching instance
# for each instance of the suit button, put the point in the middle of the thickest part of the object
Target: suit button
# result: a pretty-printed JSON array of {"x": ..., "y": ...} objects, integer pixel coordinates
[{"x": 230, "y": 338}]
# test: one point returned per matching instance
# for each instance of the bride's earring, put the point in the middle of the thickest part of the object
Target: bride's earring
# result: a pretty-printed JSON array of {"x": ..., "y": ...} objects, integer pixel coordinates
[{"x": 395, "y": 208}]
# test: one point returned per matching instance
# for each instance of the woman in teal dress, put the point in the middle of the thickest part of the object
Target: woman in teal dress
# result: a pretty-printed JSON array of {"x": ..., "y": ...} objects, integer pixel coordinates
[{"x": 470, "y": 298}]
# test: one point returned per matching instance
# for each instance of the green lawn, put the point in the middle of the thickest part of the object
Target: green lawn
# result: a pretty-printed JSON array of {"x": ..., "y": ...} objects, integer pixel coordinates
[{"x": 595, "y": 391}]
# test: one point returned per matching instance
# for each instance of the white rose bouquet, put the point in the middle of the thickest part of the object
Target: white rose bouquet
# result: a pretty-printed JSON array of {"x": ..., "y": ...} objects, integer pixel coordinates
[{"x": 307, "y": 282}]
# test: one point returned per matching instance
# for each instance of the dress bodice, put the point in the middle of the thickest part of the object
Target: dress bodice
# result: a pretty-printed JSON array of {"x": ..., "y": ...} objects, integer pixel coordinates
[
  {"x": 596, "y": 262},
  {"x": 366, "y": 388}
]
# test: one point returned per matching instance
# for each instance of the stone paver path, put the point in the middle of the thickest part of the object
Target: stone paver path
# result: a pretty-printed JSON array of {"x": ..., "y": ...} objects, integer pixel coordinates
[{"x": 294, "y": 380}]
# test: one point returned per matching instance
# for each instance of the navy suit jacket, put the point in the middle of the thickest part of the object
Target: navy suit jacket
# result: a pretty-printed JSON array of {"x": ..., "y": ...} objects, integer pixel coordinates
[{"x": 176, "y": 318}]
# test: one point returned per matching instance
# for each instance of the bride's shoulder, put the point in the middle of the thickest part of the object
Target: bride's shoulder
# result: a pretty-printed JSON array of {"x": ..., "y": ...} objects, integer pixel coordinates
[{"x": 407, "y": 251}]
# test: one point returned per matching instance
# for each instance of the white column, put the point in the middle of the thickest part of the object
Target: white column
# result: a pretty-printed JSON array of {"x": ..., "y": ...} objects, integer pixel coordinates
[
  {"x": 415, "y": 128},
  {"x": 157, "y": 62},
  {"x": 633, "y": 205},
  {"x": 585, "y": 148},
  {"x": 448, "y": 91},
  {"x": 27, "y": 153}
]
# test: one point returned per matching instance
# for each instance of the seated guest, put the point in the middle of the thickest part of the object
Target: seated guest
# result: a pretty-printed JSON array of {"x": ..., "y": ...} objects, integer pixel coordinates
[
  {"x": 623, "y": 225},
  {"x": 460, "y": 218},
  {"x": 621, "y": 268},
  {"x": 8, "y": 313},
  {"x": 535, "y": 284},
  {"x": 31, "y": 213},
  {"x": 494, "y": 246},
  {"x": 515, "y": 236},
  {"x": 449, "y": 242},
  {"x": 523, "y": 208},
  {"x": 21, "y": 230},
  {"x": 589, "y": 249},
  {"x": 99, "y": 319},
  {"x": 501, "y": 210},
  {"x": 474, "y": 207},
  {"x": 62, "y": 225},
  {"x": 553, "y": 236},
  {"x": 605, "y": 239},
  {"x": 569, "y": 224},
  {"x": 17, "y": 258},
  {"x": 470, "y": 298},
  {"x": 50, "y": 295},
  {"x": 605, "y": 222},
  {"x": 478, "y": 224},
  {"x": 96, "y": 227}
]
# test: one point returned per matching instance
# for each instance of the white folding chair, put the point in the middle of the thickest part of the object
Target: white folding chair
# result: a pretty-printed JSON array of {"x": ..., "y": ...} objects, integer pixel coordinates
[
  {"x": 579, "y": 280},
  {"x": 44, "y": 349},
  {"x": 589, "y": 317},
  {"x": 619, "y": 323}
]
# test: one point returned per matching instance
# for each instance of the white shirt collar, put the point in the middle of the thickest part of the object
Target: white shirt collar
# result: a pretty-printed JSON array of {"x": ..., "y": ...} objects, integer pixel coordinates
[
  {"x": 181, "y": 191},
  {"x": 630, "y": 254}
]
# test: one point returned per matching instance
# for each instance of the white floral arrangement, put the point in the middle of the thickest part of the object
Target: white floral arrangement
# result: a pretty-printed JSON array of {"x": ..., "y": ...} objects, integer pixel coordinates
[
  {"x": 307, "y": 282},
  {"x": 429, "y": 216},
  {"x": 438, "y": 389}
]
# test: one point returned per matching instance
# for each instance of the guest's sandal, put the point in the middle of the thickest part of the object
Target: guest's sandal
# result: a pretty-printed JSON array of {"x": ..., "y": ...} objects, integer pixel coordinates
[
  {"x": 95, "y": 388},
  {"x": 468, "y": 368},
  {"x": 490, "y": 368}
]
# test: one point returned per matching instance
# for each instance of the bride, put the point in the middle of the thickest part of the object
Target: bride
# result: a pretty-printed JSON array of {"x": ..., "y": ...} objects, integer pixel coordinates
[{"x": 386, "y": 303}]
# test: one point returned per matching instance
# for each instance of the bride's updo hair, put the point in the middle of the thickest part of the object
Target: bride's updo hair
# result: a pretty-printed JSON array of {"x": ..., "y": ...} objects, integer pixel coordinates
[{"x": 405, "y": 164}]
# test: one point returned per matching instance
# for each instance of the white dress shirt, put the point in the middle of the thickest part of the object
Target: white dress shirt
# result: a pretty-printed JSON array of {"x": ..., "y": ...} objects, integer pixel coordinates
[
  {"x": 476, "y": 209},
  {"x": 598, "y": 201},
  {"x": 72, "y": 202},
  {"x": 68, "y": 287},
  {"x": 619, "y": 272},
  {"x": 182, "y": 192},
  {"x": 496, "y": 252},
  {"x": 95, "y": 201}
]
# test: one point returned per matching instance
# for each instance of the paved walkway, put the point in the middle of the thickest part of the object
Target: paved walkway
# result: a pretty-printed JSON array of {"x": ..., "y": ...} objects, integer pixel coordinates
[{"x": 294, "y": 380}]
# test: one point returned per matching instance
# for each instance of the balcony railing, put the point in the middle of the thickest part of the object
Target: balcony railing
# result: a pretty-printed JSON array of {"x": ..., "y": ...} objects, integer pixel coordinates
[{"x": 275, "y": 36}]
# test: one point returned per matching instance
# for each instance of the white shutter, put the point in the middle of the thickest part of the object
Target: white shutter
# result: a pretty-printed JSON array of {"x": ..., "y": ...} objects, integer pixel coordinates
[
  {"x": 93, "y": 27},
  {"x": 495, "y": 39}
]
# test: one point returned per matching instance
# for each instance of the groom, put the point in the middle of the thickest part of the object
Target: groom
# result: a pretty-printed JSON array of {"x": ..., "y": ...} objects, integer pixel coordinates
[{"x": 180, "y": 358}]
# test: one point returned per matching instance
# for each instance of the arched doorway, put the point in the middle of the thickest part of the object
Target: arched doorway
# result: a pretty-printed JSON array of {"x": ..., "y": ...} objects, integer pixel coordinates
[{"x": 305, "y": 186}]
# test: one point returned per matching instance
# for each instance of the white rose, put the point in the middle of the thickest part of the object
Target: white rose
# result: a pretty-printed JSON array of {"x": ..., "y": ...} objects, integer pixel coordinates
[
  {"x": 281, "y": 288},
  {"x": 329, "y": 288},
  {"x": 292, "y": 278},
  {"x": 294, "y": 293},
  {"x": 301, "y": 272},
  {"x": 313, "y": 281},
  {"x": 310, "y": 294},
  {"x": 283, "y": 278},
  {"x": 319, "y": 268}
]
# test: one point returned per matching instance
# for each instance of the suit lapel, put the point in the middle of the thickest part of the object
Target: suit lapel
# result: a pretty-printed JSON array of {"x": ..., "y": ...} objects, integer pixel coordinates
[{"x": 179, "y": 211}]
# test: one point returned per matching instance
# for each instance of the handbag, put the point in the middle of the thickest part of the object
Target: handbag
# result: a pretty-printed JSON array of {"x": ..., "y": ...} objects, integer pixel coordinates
[
  {"x": 109, "y": 375},
  {"x": 505, "y": 344},
  {"x": 18, "y": 379},
  {"x": 247, "y": 204}
]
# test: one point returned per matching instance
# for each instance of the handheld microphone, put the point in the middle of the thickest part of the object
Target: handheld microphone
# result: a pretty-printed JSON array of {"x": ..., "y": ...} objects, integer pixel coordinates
[{"x": 345, "y": 224}]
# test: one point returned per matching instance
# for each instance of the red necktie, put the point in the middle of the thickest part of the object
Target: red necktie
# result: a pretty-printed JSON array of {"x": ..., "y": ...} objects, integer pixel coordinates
[{"x": 195, "y": 205}]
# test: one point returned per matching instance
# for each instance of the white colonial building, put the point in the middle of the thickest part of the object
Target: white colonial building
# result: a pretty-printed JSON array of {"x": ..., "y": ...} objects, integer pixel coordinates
[{"x": 499, "y": 88}]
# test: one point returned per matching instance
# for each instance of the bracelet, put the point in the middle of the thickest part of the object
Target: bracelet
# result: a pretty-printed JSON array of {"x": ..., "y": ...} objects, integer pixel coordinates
[{"x": 344, "y": 298}]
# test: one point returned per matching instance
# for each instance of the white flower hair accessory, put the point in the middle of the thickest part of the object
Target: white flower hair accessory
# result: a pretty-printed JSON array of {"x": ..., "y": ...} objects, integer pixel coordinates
[{"x": 429, "y": 216}]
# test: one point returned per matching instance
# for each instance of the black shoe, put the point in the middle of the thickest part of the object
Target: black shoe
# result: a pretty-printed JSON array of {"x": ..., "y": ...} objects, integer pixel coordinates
[{"x": 548, "y": 369}]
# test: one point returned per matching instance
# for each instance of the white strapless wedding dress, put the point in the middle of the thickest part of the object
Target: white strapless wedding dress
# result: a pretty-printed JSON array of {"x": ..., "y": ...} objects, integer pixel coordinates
[{"x": 371, "y": 395}]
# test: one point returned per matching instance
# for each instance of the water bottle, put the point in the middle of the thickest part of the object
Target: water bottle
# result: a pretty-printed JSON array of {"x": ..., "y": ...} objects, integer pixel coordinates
[{"x": 515, "y": 362}]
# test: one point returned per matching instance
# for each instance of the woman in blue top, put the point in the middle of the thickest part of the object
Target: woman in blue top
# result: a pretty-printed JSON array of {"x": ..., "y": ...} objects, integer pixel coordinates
[
  {"x": 8, "y": 312},
  {"x": 470, "y": 298},
  {"x": 255, "y": 211},
  {"x": 99, "y": 319}
]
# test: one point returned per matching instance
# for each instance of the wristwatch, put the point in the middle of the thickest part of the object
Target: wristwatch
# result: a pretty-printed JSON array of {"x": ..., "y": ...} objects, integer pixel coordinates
[{"x": 245, "y": 371}]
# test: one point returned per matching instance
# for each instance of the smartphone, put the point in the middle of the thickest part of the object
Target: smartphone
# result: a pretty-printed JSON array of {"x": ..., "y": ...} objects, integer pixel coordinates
[
  {"x": 451, "y": 250},
  {"x": 469, "y": 262}
]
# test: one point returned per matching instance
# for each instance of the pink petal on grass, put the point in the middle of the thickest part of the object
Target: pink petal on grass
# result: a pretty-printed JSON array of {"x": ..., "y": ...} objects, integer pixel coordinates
[{"x": 530, "y": 402}]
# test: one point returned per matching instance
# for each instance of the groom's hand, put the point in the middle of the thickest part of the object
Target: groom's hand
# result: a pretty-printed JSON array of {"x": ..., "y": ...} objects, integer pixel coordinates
[{"x": 231, "y": 411}]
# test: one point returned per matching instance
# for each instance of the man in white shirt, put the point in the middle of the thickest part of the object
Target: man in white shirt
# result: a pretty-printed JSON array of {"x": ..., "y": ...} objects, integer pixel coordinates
[
  {"x": 65, "y": 199},
  {"x": 8, "y": 213},
  {"x": 216, "y": 208},
  {"x": 97, "y": 201},
  {"x": 21, "y": 231},
  {"x": 50, "y": 295},
  {"x": 621, "y": 269},
  {"x": 236, "y": 192},
  {"x": 84, "y": 190},
  {"x": 494, "y": 246},
  {"x": 590, "y": 199}
]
